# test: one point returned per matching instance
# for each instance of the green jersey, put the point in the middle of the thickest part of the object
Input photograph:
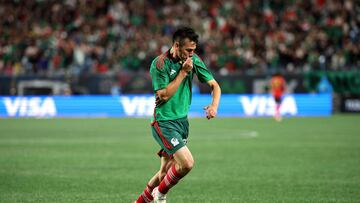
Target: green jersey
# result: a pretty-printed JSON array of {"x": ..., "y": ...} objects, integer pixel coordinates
[{"x": 163, "y": 70}]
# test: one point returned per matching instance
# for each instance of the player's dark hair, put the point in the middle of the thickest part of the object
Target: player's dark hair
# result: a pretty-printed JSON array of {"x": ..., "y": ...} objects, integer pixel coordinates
[
  {"x": 185, "y": 33},
  {"x": 277, "y": 73}
]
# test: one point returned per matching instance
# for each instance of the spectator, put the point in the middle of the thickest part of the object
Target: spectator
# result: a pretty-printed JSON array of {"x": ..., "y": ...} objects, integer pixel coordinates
[{"x": 238, "y": 36}]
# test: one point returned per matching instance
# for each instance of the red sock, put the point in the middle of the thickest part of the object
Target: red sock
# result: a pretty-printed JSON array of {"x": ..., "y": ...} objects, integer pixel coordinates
[
  {"x": 145, "y": 196},
  {"x": 172, "y": 178}
]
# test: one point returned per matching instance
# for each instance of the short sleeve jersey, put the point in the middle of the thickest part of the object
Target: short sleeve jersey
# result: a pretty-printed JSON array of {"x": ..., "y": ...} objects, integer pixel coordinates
[
  {"x": 163, "y": 71},
  {"x": 277, "y": 85}
]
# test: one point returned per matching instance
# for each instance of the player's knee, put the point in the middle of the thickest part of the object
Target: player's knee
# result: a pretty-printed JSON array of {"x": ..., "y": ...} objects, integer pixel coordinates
[{"x": 187, "y": 165}]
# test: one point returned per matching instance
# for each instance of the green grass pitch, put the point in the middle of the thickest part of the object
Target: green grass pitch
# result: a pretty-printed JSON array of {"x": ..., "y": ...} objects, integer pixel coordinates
[{"x": 236, "y": 160}]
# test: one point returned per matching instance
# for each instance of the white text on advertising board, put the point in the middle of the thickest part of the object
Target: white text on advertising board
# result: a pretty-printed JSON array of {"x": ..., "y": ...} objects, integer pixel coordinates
[
  {"x": 30, "y": 107},
  {"x": 265, "y": 105},
  {"x": 138, "y": 105}
]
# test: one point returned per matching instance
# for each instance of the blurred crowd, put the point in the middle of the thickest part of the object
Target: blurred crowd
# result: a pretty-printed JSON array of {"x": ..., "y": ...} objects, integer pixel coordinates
[{"x": 54, "y": 37}]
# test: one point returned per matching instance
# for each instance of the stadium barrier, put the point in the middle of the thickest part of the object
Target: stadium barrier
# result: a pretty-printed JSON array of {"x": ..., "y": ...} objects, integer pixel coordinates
[
  {"x": 342, "y": 82},
  {"x": 232, "y": 105},
  {"x": 350, "y": 104}
]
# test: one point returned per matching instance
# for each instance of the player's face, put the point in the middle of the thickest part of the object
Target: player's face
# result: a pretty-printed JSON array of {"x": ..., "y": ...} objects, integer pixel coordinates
[{"x": 186, "y": 50}]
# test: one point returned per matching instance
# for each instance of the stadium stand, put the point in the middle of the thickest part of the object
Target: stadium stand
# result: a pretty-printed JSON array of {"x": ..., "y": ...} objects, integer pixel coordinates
[{"x": 43, "y": 37}]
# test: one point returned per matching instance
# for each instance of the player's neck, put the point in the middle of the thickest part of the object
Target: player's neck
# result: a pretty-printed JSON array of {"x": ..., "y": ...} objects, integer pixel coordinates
[{"x": 174, "y": 55}]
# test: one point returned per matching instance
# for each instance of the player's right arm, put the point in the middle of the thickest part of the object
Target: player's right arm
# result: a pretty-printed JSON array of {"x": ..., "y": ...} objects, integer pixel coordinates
[
  {"x": 163, "y": 95},
  {"x": 166, "y": 93}
]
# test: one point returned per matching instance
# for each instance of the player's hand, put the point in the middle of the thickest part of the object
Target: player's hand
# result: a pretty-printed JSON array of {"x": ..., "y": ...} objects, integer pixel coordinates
[
  {"x": 188, "y": 65},
  {"x": 210, "y": 112}
]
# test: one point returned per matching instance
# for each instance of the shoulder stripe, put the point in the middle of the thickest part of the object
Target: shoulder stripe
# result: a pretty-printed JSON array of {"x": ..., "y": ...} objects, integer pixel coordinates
[{"x": 161, "y": 61}]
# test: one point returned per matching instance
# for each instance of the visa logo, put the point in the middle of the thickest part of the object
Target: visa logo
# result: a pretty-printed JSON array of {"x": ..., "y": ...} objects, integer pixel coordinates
[
  {"x": 30, "y": 107},
  {"x": 138, "y": 105},
  {"x": 265, "y": 105}
]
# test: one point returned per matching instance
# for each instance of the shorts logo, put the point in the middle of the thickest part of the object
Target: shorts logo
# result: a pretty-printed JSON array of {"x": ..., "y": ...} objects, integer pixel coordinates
[{"x": 174, "y": 141}]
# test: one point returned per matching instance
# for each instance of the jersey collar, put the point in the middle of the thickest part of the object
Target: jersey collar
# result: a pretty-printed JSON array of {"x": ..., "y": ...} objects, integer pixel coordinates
[{"x": 175, "y": 60}]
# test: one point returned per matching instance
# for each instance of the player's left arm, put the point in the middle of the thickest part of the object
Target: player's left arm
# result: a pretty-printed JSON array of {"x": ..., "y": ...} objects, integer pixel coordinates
[
  {"x": 211, "y": 110},
  {"x": 205, "y": 76}
]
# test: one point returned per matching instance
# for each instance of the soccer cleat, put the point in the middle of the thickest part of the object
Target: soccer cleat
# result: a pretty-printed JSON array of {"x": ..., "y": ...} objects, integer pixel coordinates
[
  {"x": 158, "y": 197},
  {"x": 278, "y": 118}
]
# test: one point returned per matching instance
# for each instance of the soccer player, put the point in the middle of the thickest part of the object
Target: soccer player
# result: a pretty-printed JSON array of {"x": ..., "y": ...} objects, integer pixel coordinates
[
  {"x": 172, "y": 73},
  {"x": 277, "y": 84}
]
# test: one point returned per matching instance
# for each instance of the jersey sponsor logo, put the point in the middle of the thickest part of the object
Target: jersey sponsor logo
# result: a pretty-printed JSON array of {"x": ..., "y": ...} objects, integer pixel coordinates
[
  {"x": 30, "y": 107},
  {"x": 174, "y": 141},
  {"x": 172, "y": 72},
  {"x": 265, "y": 105}
]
